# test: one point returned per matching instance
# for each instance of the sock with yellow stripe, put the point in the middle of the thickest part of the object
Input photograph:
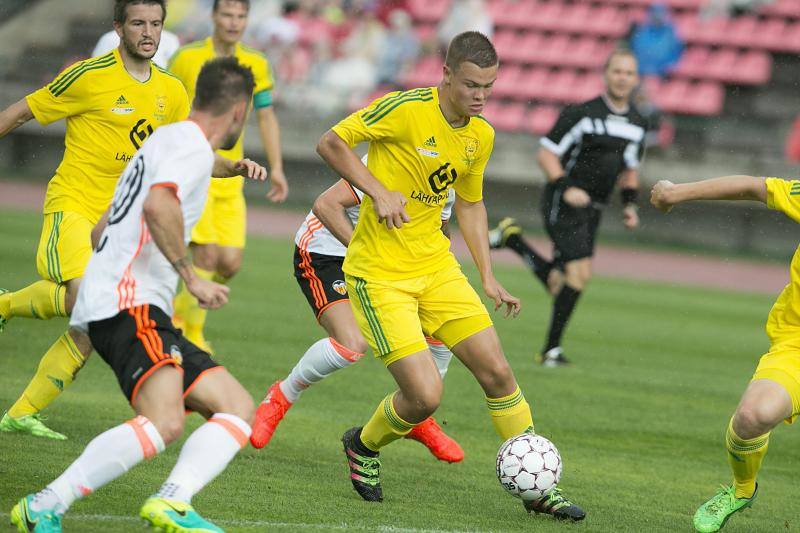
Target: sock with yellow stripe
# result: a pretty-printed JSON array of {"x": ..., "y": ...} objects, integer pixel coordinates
[
  {"x": 56, "y": 371},
  {"x": 188, "y": 310},
  {"x": 43, "y": 300},
  {"x": 385, "y": 426},
  {"x": 745, "y": 456},
  {"x": 511, "y": 415}
]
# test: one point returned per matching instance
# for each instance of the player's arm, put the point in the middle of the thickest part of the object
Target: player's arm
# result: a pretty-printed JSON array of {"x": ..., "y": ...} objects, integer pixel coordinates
[
  {"x": 389, "y": 205},
  {"x": 330, "y": 206},
  {"x": 271, "y": 138},
  {"x": 564, "y": 135},
  {"x": 629, "y": 192},
  {"x": 446, "y": 228},
  {"x": 474, "y": 227},
  {"x": 666, "y": 195},
  {"x": 227, "y": 168},
  {"x": 164, "y": 218},
  {"x": 14, "y": 116}
]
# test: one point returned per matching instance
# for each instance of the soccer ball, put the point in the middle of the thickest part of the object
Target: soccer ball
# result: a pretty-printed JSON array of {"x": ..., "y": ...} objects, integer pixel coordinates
[{"x": 528, "y": 466}]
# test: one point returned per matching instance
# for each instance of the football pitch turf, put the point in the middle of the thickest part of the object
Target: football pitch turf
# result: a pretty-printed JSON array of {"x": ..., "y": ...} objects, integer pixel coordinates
[{"x": 639, "y": 420}]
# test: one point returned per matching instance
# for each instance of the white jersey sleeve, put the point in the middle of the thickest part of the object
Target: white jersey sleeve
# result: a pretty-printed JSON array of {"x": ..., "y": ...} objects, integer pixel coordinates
[
  {"x": 127, "y": 269},
  {"x": 166, "y": 48}
]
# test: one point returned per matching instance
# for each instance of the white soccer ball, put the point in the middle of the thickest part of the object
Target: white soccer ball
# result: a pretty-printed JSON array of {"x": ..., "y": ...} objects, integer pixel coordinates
[{"x": 528, "y": 466}]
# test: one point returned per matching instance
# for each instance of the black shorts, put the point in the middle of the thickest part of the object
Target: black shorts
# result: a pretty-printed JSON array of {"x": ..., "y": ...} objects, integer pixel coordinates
[
  {"x": 320, "y": 278},
  {"x": 572, "y": 229},
  {"x": 139, "y": 340}
]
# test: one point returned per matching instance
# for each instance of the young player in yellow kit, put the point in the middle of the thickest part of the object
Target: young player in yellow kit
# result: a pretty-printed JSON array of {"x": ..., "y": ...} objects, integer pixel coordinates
[
  {"x": 219, "y": 238},
  {"x": 402, "y": 278},
  {"x": 111, "y": 104},
  {"x": 773, "y": 394}
]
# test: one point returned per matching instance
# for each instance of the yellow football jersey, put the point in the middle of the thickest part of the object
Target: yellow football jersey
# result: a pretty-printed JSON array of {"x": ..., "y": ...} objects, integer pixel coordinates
[
  {"x": 413, "y": 150},
  {"x": 109, "y": 114},
  {"x": 783, "y": 195},
  {"x": 186, "y": 65}
]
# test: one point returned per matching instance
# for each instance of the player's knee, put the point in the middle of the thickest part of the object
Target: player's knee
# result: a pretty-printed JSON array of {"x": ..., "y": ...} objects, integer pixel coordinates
[
  {"x": 170, "y": 427},
  {"x": 496, "y": 379},
  {"x": 239, "y": 403},
  {"x": 753, "y": 420},
  {"x": 228, "y": 267},
  {"x": 71, "y": 294},
  {"x": 353, "y": 340}
]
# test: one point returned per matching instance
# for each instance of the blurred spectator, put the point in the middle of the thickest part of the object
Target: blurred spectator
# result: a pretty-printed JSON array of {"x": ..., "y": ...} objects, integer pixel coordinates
[
  {"x": 168, "y": 45},
  {"x": 656, "y": 43},
  {"x": 464, "y": 15},
  {"x": 400, "y": 49},
  {"x": 793, "y": 143},
  {"x": 384, "y": 9},
  {"x": 733, "y": 8}
]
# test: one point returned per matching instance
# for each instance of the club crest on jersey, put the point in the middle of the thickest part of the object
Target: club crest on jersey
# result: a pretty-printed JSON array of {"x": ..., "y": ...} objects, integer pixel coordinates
[
  {"x": 122, "y": 106},
  {"x": 470, "y": 150},
  {"x": 340, "y": 287},
  {"x": 175, "y": 353},
  {"x": 161, "y": 108}
]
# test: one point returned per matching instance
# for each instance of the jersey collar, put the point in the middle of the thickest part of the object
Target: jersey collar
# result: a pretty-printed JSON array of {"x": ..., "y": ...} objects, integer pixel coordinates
[
  {"x": 118, "y": 57},
  {"x": 435, "y": 91}
]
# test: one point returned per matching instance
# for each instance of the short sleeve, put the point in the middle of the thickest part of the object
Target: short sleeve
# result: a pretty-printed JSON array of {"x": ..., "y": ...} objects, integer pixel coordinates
[
  {"x": 262, "y": 74},
  {"x": 177, "y": 166},
  {"x": 784, "y": 195},
  {"x": 382, "y": 119},
  {"x": 471, "y": 187},
  {"x": 566, "y": 132},
  {"x": 179, "y": 66},
  {"x": 66, "y": 96}
]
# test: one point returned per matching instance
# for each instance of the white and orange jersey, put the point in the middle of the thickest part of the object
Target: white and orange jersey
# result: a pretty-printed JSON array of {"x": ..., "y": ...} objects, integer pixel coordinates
[
  {"x": 127, "y": 269},
  {"x": 314, "y": 237}
]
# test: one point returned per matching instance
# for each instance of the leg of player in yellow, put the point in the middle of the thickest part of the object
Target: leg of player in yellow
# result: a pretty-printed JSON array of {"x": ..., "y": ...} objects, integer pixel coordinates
[
  {"x": 765, "y": 403},
  {"x": 56, "y": 371}
]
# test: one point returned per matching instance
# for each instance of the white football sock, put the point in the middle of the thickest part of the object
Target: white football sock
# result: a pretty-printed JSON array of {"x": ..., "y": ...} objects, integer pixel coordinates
[
  {"x": 441, "y": 355},
  {"x": 204, "y": 455},
  {"x": 105, "y": 458},
  {"x": 322, "y": 359}
]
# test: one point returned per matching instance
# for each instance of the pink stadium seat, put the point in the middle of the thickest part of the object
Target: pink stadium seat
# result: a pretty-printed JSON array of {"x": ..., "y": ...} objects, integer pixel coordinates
[
  {"x": 588, "y": 86},
  {"x": 782, "y": 9},
  {"x": 506, "y": 43},
  {"x": 532, "y": 85},
  {"x": 505, "y": 117},
  {"x": 575, "y": 18},
  {"x": 712, "y": 32},
  {"x": 425, "y": 32},
  {"x": 541, "y": 119},
  {"x": 428, "y": 10},
  {"x": 426, "y": 73},
  {"x": 741, "y": 32},
  {"x": 508, "y": 79},
  {"x": 517, "y": 14},
  {"x": 754, "y": 68},
  {"x": 554, "y": 50},
  {"x": 793, "y": 38},
  {"x": 582, "y": 53},
  {"x": 693, "y": 63},
  {"x": 528, "y": 48},
  {"x": 771, "y": 34},
  {"x": 546, "y": 17},
  {"x": 607, "y": 21},
  {"x": 722, "y": 64},
  {"x": 683, "y": 97},
  {"x": 561, "y": 87}
]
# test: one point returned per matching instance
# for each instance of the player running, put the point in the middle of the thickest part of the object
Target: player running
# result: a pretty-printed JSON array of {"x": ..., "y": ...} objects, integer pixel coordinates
[
  {"x": 219, "y": 238},
  {"x": 405, "y": 281},
  {"x": 111, "y": 104},
  {"x": 773, "y": 394},
  {"x": 320, "y": 247},
  {"x": 125, "y": 306}
]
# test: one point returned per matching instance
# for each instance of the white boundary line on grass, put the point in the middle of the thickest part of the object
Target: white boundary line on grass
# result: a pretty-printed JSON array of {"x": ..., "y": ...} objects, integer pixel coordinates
[{"x": 343, "y": 526}]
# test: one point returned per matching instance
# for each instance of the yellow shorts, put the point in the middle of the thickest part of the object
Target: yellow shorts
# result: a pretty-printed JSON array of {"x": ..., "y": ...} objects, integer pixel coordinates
[
  {"x": 395, "y": 316},
  {"x": 65, "y": 246},
  {"x": 781, "y": 364},
  {"x": 223, "y": 222}
]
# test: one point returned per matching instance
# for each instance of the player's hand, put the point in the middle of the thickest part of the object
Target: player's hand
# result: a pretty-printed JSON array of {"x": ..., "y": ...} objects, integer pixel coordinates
[
  {"x": 278, "y": 186},
  {"x": 660, "y": 194},
  {"x": 249, "y": 169},
  {"x": 630, "y": 217},
  {"x": 209, "y": 295},
  {"x": 577, "y": 197},
  {"x": 391, "y": 208},
  {"x": 496, "y": 292}
]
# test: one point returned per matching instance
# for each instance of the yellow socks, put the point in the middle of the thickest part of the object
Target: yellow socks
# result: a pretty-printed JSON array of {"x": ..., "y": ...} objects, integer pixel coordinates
[
  {"x": 56, "y": 372},
  {"x": 385, "y": 426},
  {"x": 511, "y": 415},
  {"x": 43, "y": 300},
  {"x": 745, "y": 456},
  {"x": 189, "y": 312}
]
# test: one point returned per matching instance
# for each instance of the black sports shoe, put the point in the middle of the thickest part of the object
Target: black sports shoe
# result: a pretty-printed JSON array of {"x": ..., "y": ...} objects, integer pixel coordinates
[
  {"x": 500, "y": 234},
  {"x": 556, "y": 505},
  {"x": 554, "y": 357},
  {"x": 365, "y": 471}
]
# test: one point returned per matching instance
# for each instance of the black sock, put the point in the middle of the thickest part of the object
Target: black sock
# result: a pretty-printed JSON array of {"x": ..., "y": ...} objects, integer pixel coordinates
[
  {"x": 539, "y": 265},
  {"x": 361, "y": 448},
  {"x": 563, "y": 305}
]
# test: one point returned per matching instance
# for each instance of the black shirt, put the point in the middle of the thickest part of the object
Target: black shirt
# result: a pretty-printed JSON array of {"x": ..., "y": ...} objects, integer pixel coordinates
[{"x": 596, "y": 143}]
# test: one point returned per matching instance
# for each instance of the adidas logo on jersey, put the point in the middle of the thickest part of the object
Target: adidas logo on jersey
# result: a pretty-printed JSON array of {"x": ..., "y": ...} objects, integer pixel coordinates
[
  {"x": 430, "y": 143},
  {"x": 122, "y": 106}
]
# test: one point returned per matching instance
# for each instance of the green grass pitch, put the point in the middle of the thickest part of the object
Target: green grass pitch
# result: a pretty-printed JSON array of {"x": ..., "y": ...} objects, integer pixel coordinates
[{"x": 639, "y": 419}]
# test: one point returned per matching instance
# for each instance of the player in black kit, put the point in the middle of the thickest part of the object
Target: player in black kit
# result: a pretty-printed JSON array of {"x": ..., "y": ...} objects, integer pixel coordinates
[{"x": 593, "y": 146}]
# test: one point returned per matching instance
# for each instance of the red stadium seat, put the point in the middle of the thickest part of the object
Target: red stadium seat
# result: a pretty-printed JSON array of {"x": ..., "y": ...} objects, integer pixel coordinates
[
  {"x": 693, "y": 63},
  {"x": 721, "y": 65},
  {"x": 506, "y": 43},
  {"x": 505, "y": 117},
  {"x": 508, "y": 79},
  {"x": 561, "y": 87},
  {"x": 771, "y": 34},
  {"x": 426, "y": 73},
  {"x": 428, "y": 10},
  {"x": 582, "y": 53},
  {"x": 741, "y": 32},
  {"x": 546, "y": 17},
  {"x": 533, "y": 85},
  {"x": 554, "y": 50},
  {"x": 607, "y": 21},
  {"x": 541, "y": 119},
  {"x": 574, "y": 19},
  {"x": 754, "y": 68},
  {"x": 529, "y": 48}
]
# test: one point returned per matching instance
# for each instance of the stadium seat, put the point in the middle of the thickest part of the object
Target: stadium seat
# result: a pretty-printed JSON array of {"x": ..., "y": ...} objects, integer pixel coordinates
[
  {"x": 546, "y": 17},
  {"x": 553, "y": 50},
  {"x": 426, "y": 73},
  {"x": 741, "y": 31},
  {"x": 693, "y": 62},
  {"x": 505, "y": 117},
  {"x": 607, "y": 21},
  {"x": 529, "y": 48},
  {"x": 753, "y": 68},
  {"x": 431, "y": 11},
  {"x": 541, "y": 119},
  {"x": 789, "y": 9},
  {"x": 561, "y": 87},
  {"x": 533, "y": 85},
  {"x": 508, "y": 79}
]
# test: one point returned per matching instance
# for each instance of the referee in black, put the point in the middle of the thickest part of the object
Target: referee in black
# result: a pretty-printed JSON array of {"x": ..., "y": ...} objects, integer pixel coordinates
[{"x": 593, "y": 146}]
